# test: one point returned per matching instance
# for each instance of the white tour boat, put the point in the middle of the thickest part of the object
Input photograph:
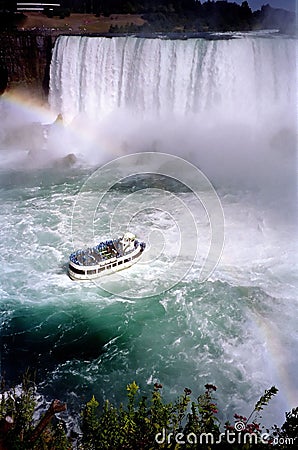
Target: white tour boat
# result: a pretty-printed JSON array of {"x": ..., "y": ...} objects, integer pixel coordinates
[{"x": 105, "y": 258}]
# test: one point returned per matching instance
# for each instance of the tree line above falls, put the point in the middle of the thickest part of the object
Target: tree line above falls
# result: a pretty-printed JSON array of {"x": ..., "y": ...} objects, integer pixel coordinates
[
  {"x": 192, "y": 15},
  {"x": 180, "y": 15}
]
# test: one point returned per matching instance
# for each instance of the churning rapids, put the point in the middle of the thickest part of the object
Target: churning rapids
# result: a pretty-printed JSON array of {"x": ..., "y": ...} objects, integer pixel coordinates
[{"x": 228, "y": 106}]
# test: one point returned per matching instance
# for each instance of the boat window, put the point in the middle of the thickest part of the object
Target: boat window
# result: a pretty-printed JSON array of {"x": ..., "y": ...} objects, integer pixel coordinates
[
  {"x": 108, "y": 267},
  {"x": 114, "y": 264},
  {"x": 78, "y": 271},
  {"x": 101, "y": 269},
  {"x": 120, "y": 262},
  {"x": 91, "y": 272},
  {"x": 126, "y": 260}
]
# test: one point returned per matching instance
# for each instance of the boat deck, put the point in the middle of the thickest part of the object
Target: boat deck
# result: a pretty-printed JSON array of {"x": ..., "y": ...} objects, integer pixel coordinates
[{"x": 95, "y": 255}]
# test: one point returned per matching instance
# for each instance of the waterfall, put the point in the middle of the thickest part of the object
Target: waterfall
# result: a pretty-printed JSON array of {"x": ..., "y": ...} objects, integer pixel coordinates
[{"x": 245, "y": 76}]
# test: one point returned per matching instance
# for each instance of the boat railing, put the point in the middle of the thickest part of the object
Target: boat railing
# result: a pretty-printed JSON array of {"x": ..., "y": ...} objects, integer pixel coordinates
[{"x": 102, "y": 252}]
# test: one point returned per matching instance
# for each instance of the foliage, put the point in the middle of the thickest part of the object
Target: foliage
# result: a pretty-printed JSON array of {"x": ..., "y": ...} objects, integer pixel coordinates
[
  {"x": 190, "y": 15},
  {"x": 129, "y": 28},
  {"x": 245, "y": 429},
  {"x": 154, "y": 424},
  {"x": 56, "y": 11},
  {"x": 9, "y": 20},
  {"x": 144, "y": 423},
  {"x": 169, "y": 15},
  {"x": 17, "y": 407},
  {"x": 125, "y": 428},
  {"x": 287, "y": 435}
]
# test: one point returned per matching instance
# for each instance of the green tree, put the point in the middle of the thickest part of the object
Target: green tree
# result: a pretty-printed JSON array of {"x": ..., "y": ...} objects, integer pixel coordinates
[{"x": 19, "y": 430}]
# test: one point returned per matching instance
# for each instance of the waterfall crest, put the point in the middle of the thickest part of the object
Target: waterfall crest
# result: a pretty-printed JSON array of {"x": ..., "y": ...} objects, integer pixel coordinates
[{"x": 248, "y": 76}]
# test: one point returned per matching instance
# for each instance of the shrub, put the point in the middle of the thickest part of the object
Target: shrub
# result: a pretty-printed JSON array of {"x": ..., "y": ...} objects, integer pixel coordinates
[
  {"x": 19, "y": 431},
  {"x": 144, "y": 423}
]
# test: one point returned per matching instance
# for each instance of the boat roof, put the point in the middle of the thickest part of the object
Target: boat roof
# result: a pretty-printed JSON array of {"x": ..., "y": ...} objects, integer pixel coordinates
[{"x": 129, "y": 236}]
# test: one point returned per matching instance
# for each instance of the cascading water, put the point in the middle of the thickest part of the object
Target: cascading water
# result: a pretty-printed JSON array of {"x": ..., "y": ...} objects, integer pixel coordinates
[
  {"x": 154, "y": 76},
  {"x": 206, "y": 100},
  {"x": 229, "y": 107}
]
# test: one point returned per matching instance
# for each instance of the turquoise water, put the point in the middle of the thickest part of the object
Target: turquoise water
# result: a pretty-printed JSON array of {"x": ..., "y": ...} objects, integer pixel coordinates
[
  {"x": 83, "y": 340},
  {"x": 156, "y": 321}
]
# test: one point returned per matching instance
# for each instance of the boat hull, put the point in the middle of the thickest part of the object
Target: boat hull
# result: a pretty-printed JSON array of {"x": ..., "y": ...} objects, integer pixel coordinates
[{"x": 86, "y": 273}]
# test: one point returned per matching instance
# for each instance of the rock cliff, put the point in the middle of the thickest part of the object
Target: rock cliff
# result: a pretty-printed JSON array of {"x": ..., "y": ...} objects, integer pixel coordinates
[{"x": 25, "y": 59}]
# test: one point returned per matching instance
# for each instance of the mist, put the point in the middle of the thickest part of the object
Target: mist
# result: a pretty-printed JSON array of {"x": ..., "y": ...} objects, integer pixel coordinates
[{"x": 228, "y": 107}]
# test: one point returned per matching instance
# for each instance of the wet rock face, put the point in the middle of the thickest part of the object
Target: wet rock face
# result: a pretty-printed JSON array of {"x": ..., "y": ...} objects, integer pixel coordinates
[{"x": 25, "y": 60}]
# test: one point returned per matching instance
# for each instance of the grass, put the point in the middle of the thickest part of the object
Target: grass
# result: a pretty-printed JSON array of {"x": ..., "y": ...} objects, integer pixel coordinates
[{"x": 78, "y": 23}]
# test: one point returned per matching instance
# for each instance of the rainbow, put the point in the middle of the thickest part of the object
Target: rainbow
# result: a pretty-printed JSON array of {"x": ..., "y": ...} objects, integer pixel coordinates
[
  {"x": 278, "y": 358},
  {"x": 78, "y": 136},
  {"x": 27, "y": 107}
]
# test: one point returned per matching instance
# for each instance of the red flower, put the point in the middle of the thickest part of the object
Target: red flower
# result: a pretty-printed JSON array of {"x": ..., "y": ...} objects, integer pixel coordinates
[{"x": 210, "y": 387}]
